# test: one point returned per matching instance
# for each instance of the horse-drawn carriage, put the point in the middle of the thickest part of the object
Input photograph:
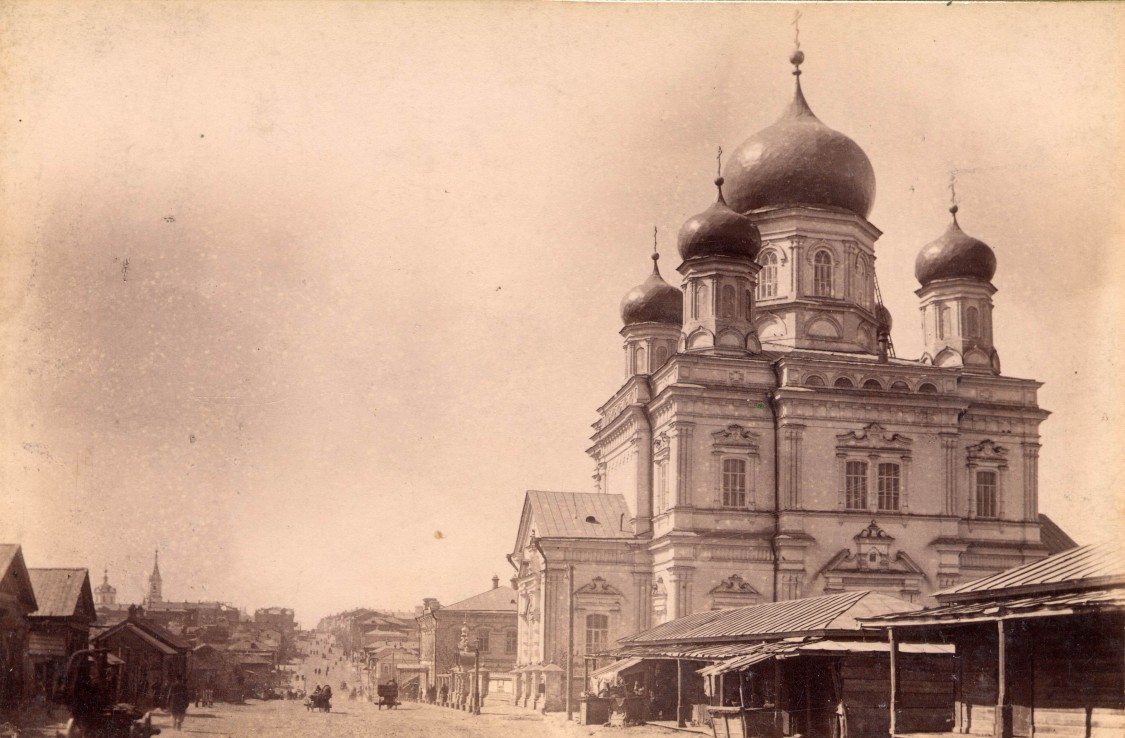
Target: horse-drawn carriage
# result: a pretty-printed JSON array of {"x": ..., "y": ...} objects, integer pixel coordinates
[
  {"x": 321, "y": 699},
  {"x": 388, "y": 695},
  {"x": 90, "y": 687}
]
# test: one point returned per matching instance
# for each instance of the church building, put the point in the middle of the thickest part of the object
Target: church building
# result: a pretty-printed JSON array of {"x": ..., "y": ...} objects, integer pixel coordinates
[{"x": 766, "y": 443}]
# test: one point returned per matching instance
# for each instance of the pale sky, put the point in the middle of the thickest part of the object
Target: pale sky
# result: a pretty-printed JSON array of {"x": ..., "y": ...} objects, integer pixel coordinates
[{"x": 375, "y": 253}]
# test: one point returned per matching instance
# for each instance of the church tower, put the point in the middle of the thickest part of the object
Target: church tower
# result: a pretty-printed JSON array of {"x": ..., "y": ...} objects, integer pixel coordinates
[
  {"x": 154, "y": 583},
  {"x": 956, "y": 272},
  {"x": 809, "y": 190},
  {"x": 652, "y": 313},
  {"x": 718, "y": 248},
  {"x": 106, "y": 594}
]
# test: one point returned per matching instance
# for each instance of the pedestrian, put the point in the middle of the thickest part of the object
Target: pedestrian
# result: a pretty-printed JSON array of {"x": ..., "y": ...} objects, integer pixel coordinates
[{"x": 178, "y": 701}]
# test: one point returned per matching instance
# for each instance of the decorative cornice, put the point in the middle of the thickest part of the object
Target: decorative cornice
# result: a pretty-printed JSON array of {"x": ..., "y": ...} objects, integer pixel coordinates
[{"x": 875, "y": 437}]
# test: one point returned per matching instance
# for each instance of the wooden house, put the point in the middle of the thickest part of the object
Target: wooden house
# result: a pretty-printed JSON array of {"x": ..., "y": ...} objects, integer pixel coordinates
[
  {"x": 61, "y": 624},
  {"x": 17, "y": 601},
  {"x": 153, "y": 657}
]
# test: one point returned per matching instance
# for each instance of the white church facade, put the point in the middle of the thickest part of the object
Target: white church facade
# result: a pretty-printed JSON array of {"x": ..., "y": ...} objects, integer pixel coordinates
[{"x": 766, "y": 444}]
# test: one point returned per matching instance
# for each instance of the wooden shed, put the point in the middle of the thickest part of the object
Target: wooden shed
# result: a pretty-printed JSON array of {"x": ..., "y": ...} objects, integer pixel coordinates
[
  {"x": 1040, "y": 648},
  {"x": 797, "y": 667}
]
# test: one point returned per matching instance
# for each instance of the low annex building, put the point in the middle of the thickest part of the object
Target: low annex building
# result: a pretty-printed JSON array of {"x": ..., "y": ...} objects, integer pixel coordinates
[
  {"x": 797, "y": 667},
  {"x": 17, "y": 601}
]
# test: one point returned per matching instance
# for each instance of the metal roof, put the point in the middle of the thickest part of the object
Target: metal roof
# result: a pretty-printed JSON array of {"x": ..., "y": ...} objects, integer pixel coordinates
[
  {"x": 990, "y": 610},
  {"x": 62, "y": 593},
  {"x": 811, "y": 615},
  {"x": 1087, "y": 566},
  {"x": 497, "y": 599},
  {"x": 578, "y": 515},
  {"x": 1053, "y": 537}
]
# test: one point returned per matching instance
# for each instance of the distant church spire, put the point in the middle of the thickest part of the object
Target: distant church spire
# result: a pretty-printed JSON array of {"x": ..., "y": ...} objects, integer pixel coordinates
[{"x": 154, "y": 582}]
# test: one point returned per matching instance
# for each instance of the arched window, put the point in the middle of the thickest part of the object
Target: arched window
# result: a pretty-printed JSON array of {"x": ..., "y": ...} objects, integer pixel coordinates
[
  {"x": 822, "y": 274},
  {"x": 749, "y": 305},
  {"x": 972, "y": 322},
  {"x": 814, "y": 381},
  {"x": 767, "y": 287},
  {"x": 944, "y": 327},
  {"x": 872, "y": 384},
  {"x": 987, "y": 503},
  {"x": 483, "y": 639},
  {"x": 729, "y": 299},
  {"x": 890, "y": 486},
  {"x": 843, "y": 382},
  {"x": 927, "y": 388},
  {"x": 734, "y": 483},
  {"x": 699, "y": 309},
  {"x": 855, "y": 485},
  {"x": 900, "y": 386},
  {"x": 661, "y": 356},
  {"x": 639, "y": 366},
  {"x": 597, "y": 633}
]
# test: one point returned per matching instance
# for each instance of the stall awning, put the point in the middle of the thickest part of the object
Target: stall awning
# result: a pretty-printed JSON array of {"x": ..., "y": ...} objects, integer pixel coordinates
[
  {"x": 615, "y": 668},
  {"x": 875, "y": 647}
]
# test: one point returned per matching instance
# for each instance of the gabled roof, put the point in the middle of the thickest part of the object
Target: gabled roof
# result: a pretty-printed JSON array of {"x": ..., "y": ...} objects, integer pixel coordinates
[
  {"x": 807, "y": 616},
  {"x": 148, "y": 631},
  {"x": 497, "y": 599},
  {"x": 1085, "y": 567},
  {"x": 14, "y": 570},
  {"x": 1053, "y": 537},
  {"x": 573, "y": 515},
  {"x": 63, "y": 593}
]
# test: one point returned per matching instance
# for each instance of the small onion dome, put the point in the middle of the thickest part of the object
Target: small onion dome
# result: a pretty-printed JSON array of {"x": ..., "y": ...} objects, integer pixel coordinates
[
  {"x": 956, "y": 255},
  {"x": 800, "y": 161},
  {"x": 719, "y": 231},
  {"x": 653, "y": 301},
  {"x": 883, "y": 317}
]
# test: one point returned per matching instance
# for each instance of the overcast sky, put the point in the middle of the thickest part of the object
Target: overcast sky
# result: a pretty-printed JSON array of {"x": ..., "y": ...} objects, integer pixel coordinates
[{"x": 375, "y": 253}]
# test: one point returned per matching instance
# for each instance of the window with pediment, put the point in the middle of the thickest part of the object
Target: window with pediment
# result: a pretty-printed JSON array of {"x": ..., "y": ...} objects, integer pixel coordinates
[
  {"x": 987, "y": 464},
  {"x": 873, "y": 459},
  {"x": 735, "y": 454}
]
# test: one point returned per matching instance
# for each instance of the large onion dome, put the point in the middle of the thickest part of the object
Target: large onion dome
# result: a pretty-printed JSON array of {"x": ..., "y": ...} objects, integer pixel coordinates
[
  {"x": 653, "y": 301},
  {"x": 883, "y": 317},
  {"x": 800, "y": 161},
  {"x": 956, "y": 255},
  {"x": 719, "y": 231}
]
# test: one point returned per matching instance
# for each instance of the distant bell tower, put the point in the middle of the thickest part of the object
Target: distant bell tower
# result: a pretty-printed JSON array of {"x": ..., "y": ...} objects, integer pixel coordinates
[
  {"x": 956, "y": 272},
  {"x": 154, "y": 583},
  {"x": 106, "y": 594}
]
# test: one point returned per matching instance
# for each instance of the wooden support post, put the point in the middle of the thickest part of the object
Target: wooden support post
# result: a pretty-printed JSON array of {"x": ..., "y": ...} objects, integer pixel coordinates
[
  {"x": 1002, "y": 722},
  {"x": 894, "y": 681},
  {"x": 680, "y": 694},
  {"x": 720, "y": 702}
]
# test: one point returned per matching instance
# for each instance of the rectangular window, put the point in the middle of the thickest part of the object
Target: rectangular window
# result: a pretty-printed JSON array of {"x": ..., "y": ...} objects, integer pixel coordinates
[
  {"x": 855, "y": 485},
  {"x": 734, "y": 483},
  {"x": 890, "y": 484},
  {"x": 511, "y": 640},
  {"x": 987, "y": 506},
  {"x": 482, "y": 639},
  {"x": 661, "y": 486},
  {"x": 597, "y": 633}
]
